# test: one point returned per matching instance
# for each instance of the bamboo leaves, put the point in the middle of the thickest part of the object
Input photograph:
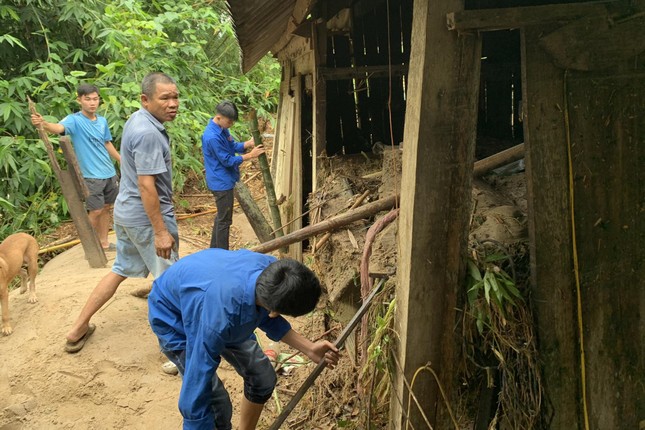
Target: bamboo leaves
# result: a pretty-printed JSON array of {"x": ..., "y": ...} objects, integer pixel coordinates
[{"x": 496, "y": 286}]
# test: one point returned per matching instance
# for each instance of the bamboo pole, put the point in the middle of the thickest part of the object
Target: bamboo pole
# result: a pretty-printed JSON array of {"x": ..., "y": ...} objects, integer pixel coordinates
[
  {"x": 329, "y": 225},
  {"x": 268, "y": 180}
]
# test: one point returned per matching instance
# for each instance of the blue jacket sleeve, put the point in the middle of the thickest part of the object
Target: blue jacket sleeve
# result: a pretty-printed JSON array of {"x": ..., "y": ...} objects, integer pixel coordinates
[
  {"x": 224, "y": 150},
  {"x": 275, "y": 328},
  {"x": 197, "y": 386},
  {"x": 239, "y": 147}
]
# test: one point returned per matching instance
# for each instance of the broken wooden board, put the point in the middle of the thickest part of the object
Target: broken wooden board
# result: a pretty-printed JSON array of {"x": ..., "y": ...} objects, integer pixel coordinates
[{"x": 596, "y": 42}]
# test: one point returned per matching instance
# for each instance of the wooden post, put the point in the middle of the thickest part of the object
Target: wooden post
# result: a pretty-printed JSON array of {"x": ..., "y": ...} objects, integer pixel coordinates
[
  {"x": 552, "y": 282},
  {"x": 438, "y": 155},
  {"x": 607, "y": 130},
  {"x": 319, "y": 38}
]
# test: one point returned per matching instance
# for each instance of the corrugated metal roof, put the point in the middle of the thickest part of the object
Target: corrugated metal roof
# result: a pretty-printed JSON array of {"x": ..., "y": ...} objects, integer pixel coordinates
[{"x": 259, "y": 24}]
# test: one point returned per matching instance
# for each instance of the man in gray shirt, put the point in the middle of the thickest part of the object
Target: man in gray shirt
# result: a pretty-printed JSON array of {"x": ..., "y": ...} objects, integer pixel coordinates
[{"x": 144, "y": 216}]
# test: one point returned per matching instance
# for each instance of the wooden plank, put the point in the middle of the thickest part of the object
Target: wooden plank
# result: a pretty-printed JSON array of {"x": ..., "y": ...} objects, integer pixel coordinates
[
  {"x": 596, "y": 43},
  {"x": 362, "y": 72},
  {"x": 73, "y": 167},
  {"x": 607, "y": 126},
  {"x": 517, "y": 17},
  {"x": 552, "y": 282},
  {"x": 295, "y": 182},
  {"x": 319, "y": 100},
  {"x": 74, "y": 194},
  {"x": 439, "y": 149},
  {"x": 91, "y": 245}
]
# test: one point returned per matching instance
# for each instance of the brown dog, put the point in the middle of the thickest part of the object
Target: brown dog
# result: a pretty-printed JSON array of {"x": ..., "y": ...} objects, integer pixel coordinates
[{"x": 15, "y": 250}]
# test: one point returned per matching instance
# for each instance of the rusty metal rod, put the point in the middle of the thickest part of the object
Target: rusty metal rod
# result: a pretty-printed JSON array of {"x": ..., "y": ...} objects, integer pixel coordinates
[{"x": 340, "y": 341}]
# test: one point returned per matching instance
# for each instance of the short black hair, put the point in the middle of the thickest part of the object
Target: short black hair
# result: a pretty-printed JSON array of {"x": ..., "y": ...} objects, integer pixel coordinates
[
  {"x": 85, "y": 89},
  {"x": 288, "y": 287},
  {"x": 150, "y": 81},
  {"x": 228, "y": 109}
]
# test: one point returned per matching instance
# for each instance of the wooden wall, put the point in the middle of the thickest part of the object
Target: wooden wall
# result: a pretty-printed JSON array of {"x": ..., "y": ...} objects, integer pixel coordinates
[
  {"x": 585, "y": 141},
  {"x": 360, "y": 99}
]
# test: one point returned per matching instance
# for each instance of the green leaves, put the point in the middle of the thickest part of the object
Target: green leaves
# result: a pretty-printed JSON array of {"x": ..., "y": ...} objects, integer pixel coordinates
[
  {"x": 492, "y": 288},
  {"x": 49, "y": 47}
]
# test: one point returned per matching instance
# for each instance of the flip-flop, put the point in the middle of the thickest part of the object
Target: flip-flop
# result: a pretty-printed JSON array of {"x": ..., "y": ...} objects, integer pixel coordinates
[
  {"x": 110, "y": 247},
  {"x": 73, "y": 347}
]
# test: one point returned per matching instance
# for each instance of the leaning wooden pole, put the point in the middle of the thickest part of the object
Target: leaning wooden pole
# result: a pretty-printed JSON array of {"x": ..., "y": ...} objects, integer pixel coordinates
[
  {"x": 43, "y": 136},
  {"x": 253, "y": 213},
  {"x": 266, "y": 176},
  {"x": 339, "y": 343},
  {"x": 331, "y": 224}
]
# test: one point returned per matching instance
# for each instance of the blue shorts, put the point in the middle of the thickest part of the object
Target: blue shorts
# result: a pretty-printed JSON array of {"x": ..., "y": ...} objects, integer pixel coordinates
[{"x": 136, "y": 255}]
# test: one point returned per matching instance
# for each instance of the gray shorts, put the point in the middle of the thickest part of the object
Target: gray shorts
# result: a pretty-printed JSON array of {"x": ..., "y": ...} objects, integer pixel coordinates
[
  {"x": 136, "y": 255},
  {"x": 102, "y": 192}
]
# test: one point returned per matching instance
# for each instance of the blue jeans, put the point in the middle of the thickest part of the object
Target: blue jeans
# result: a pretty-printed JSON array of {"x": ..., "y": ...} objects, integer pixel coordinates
[{"x": 251, "y": 364}]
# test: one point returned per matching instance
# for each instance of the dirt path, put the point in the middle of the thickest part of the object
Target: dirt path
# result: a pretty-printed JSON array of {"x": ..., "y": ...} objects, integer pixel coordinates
[{"x": 115, "y": 382}]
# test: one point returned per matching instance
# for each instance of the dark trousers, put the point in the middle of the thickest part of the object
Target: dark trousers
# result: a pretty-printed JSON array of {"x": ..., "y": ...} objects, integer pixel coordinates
[{"x": 223, "y": 219}]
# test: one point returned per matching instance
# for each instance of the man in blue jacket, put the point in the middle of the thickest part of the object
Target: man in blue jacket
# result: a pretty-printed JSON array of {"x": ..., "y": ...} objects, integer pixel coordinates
[
  {"x": 207, "y": 306},
  {"x": 222, "y": 159}
]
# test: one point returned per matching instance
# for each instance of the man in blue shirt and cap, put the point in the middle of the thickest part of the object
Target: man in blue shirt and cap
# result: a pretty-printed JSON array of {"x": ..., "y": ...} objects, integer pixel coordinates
[{"x": 207, "y": 305}]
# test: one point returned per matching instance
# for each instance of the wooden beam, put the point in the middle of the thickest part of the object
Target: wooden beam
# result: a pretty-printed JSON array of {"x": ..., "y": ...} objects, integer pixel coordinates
[
  {"x": 502, "y": 158},
  {"x": 439, "y": 150},
  {"x": 517, "y": 17},
  {"x": 552, "y": 281},
  {"x": 362, "y": 72},
  {"x": 331, "y": 224},
  {"x": 319, "y": 126},
  {"x": 596, "y": 43}
]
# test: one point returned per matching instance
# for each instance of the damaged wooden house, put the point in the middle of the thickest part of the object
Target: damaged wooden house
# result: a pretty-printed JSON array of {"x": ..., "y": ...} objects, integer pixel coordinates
[{"x": 403, "y": 100}]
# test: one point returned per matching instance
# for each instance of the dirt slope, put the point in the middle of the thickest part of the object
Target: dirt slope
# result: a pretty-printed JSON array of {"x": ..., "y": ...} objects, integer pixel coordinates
[{"x": 115, "y": 382}]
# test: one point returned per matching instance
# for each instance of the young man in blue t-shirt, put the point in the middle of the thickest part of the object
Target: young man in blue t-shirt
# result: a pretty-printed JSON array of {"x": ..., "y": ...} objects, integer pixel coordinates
[{"x": 92, "y": 142}]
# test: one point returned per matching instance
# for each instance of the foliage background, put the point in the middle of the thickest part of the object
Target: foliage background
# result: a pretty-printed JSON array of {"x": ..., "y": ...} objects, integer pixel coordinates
[{"x": 49, "y": 47}]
